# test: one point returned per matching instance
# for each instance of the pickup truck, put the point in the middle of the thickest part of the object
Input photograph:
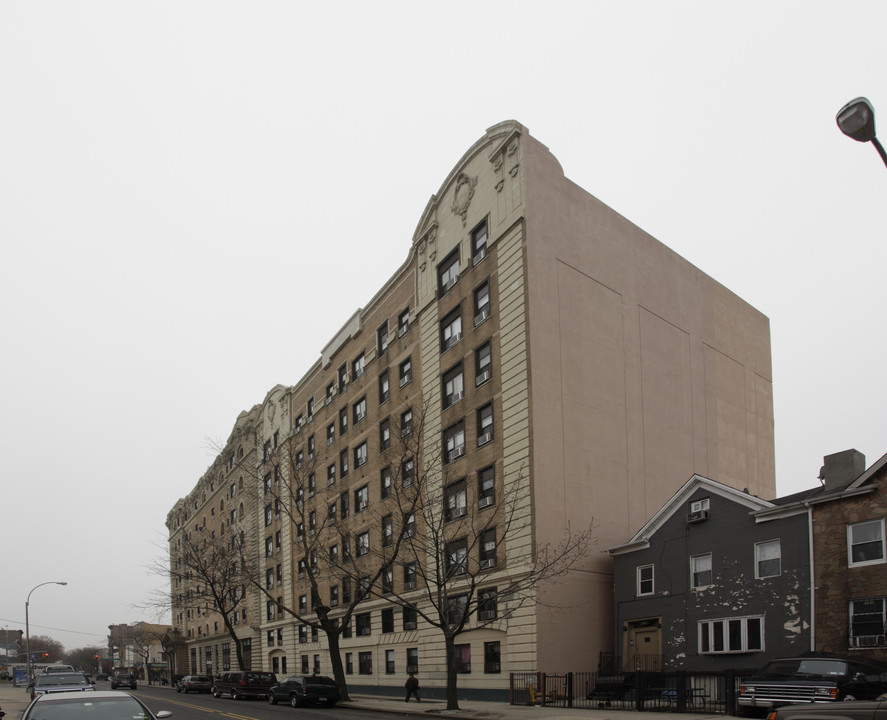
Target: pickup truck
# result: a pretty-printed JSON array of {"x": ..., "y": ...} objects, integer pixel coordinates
[{"x": 868, "y": 710}]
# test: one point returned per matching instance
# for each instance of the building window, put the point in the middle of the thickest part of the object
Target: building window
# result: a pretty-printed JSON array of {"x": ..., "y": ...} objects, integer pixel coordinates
[
  {"x": 363, "y": 544},
  {"x": 453, "y": 389},
  {"x": 479, "y": 243},
  {"x": 492, "y": 657},
  {"x": 382, "y": 338},
  {"x": 486, "y": 487},
  {"x": 310, "y": 409},
  {"x": 360, "y": 410},
  {"x": 481, "y": 304},
  {"x": 361, "y": 499},
  {"x": 269, "y": 515},
  {"x": 487, "y": 604},
  {"x": 384, "y": 435},
  {"x": 389, "y": 662},
  {"x": 304, "y": 664},
  {"x": 387, "y": 581},
  {"x": 334, "y": 596},
  {"x": 269, "y": 546},
  {"x": 387, "y": 530},
  {"x": 410, "y": 618},
  {"x": 768, "y": 559},
  {"x": 454, "y": 443},
  {"x": 384, "y": 387},
  {"x": 311, "y": 448},
  {"x": 385, "y": 482},
  {"x": 349, "y": 664},
  {"x": 343, "y": 504},
  {"x": 409, "y": 577},
  {"x": 448, "y": 272},
  {"x": 363, "y": 624},
  {"x": 485, "y": 425},
  {"x": 360, "y": 455},
  {"x": 463, "y": 658},
  {"x": 405, "y": 371},
  {"x": 488, "y": 549},
  {"x": 865, "y": 541},
  {"x": 312, "y": 484},
  {"x": 451, "y": 330},
  {"x": 645, "y": 580},
  {"x": 412, "y": 660},
  {"x": 343, "y": 377},
  {"x": 731, "y": 635},
  {"x": 483, "y": 364},
  {"x": 343, "y": 420},
  {"x": 330, "y": 433},
  {"x": 403, "y": 323},
  {"x": 303, "y": 604},
  {"x": 457, "y": 557},
  {"x": 331, "y": 474},
  {"x": 457, "y": 500},
  {"x": 330, "y": 391},
  {"x": 867, "y": 623},
  {"x": 357, "y": 366},
  {"x": 409, "y": 525},
  {"x": 700, "y": 570},
  {"x": 406, "y": 423},
  {"x": 388, "y": 620},
  {"x": 343, "y": 463},
  {"x": 365, "y": 663},
  {"x": 407, "y": 472}
]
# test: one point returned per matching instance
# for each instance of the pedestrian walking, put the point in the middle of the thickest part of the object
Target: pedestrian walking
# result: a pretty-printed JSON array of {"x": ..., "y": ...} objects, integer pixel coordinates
[{"x": 412, "y": 686}]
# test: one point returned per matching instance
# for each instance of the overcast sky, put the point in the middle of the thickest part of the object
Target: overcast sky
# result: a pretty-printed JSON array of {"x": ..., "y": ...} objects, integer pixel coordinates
[{"x": 195, "y": 196}]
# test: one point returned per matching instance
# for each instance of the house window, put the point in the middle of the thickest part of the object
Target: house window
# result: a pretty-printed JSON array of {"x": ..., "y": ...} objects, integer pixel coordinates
[
  {"x": 403, "y": 323},
  {"x": 457, "y": 557},
  {"x": 363, "y": 544},
  {"x": 483, "y": 364},
  {"x": 385, "y": 482},
  {"x": 699, "y": 506},
  {"x": 700, "y": 570},
  {"x": 360, "y": 454},
  {"x": 382, "y": 338},
  {"x": 867, "y": 623},
  {"x": 343, "y": 463},
  {"x": 343, "y": 420},
  {"x": 360, "y": 410},
  {"x": 731, "y": 635},
  {"x": 487, "y": 604},
  {"x": 479, "y": 243},
  {"x": 481, "y": 304},
  {"x": 388, "y": 620},
  {"x": 457, "y": 500},
  {"x": 488, "y": 549},
  {"x": 450, "y": 330},
  {"x": 448, "y": 272},
  {"x": 364, "y": 625},
  {"x": 492, "y": 657},
  {"x": 485, "y": 425},
  {"x": 453, "y": 388},
  {"x": 768, "y": 559},
  {"x": 412, "y": 660},
  {"x": 454, "y": 443},
  {"x": 645, "y": 580},
  {"x": 486, "y": 487},
  {"x": 384, "y": 387},
  {"x": 865, "y": 541},
  {"x": 405, "y": 371},
  {"x": 463, "y": 658},
  {"x": 361, "y": 499},
  {"x": 365, "y": 663},
  {"x": 384, "y": 435},
  {"x": 389, "y": 662},
  {"x": 357, "y": 366}
]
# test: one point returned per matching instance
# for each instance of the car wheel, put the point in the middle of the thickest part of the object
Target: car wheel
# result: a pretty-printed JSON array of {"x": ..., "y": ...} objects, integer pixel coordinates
[
  {"x": 294, "y": 701},
  {"x": 849, "y": 698},
  {"x": 271, "y": 699},
  {"x": 331, "y": 703},
  {"x": 216, "y": 693},
  {"x": 178, "y": 689},
  {"x": 236, "y": 695}
]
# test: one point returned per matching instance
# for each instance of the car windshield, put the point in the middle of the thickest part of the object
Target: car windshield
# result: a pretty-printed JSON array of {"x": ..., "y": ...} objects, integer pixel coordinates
[
  {"x": 82, "y": 709},
  {"x": 805, "y": 666},
  {"x": 259, "y": 677},
  {"x": 199, "y": 678},
  {"x": 60, "y": 679}
]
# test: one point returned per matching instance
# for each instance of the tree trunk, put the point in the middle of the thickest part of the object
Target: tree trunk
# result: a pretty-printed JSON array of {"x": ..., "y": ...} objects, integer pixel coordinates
[
  {"x": 452, "y": 671},
  {"x": 336, "y": 661}
]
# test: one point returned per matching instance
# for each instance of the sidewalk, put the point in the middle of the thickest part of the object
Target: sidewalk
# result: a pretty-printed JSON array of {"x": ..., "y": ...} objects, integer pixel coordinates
[{"x": 14, "y": 700}]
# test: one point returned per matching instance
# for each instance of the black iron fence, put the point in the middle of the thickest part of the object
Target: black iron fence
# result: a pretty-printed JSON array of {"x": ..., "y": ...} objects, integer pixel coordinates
[{"x": 677, "y": 691}]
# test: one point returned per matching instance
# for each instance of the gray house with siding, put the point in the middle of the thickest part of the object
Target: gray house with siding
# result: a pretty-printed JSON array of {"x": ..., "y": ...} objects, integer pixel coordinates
[{"x": 717, "y": 579}]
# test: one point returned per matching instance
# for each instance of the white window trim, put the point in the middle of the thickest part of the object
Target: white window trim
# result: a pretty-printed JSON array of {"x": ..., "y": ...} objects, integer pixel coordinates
[
  {"x": 641, "y": 568},
  {"x": 863, "y": 563},
  {"x": 707, "y": 626},
  {"x": 758, "y": 559},
  {"x": 692, "y": 570}
]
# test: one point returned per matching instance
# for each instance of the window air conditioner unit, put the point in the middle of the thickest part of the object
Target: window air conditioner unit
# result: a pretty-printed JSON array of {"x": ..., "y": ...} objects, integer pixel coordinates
[
  {"x": 409, "y": 585},
  {"x": 484, "y": 439},
  {"x": 402, "y": 330},
  {"x": 454, "y": 398},
  {"x": 486, "y": 615},
  {"x": 404, "y": 380},
  {"x": 458, "y": 452},
  {"x": 488, "y": 563},
  {"x": 453, "y": 339},
  {"x": 406, "y": 430},
  {"x": 481, "y": 316},
  {"x": 485, "y": 502},
  {"x": 479, "y": 255},
  {"x": 698, "y": 516},
  {"x": 448, "y": 285},
  {"x": 362, "y": 506},
  {"x": 482, "y": 378},
  {"x": 459, "y": 512}
]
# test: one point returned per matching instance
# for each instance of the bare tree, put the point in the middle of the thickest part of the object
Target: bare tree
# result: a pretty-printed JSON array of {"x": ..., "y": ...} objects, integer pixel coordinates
[
  {"x": 45, "y": 649},
  {"x": 85, "y": 658},
  {"x": 145, "y": 638}
]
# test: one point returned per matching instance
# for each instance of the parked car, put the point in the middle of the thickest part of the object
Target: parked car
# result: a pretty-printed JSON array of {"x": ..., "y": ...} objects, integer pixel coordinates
[
  {"x": 243, "y": 684},
  {"x": 860, "y": 710},
  {"x": 195, "y": 683},
  {"x": 813, "y": 679},
  {"x": 59, "y": 669},
  {"x": 59, "y": 683},
  {"x": 302, "y": 690},
  {"x": 122, "y": 680},
  {"x": 98, "y": 704}
]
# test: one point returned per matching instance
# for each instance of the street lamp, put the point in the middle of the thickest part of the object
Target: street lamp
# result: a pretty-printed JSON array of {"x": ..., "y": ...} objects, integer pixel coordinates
[
  {"x": 27, "y": 624},
  {"x": 857, "y": 120}
]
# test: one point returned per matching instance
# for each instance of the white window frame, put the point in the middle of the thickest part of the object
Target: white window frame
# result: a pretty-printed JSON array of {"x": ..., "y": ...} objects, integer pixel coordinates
[
  {"x": 760, "y": 549},
  {"x": 695, "y": 571},
  {"x": 642, "y": 580},
  {"x": 710, "y": 629},
  {"x": 879, "y": 522},
  {"x": 866, "y": 641}
]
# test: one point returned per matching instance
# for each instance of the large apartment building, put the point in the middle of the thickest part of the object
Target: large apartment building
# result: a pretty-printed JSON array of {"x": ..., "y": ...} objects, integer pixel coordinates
[{"x": 557, "y": 355}]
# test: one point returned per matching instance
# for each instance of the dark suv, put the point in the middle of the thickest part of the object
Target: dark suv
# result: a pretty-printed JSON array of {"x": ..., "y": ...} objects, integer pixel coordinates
[
  {"x": 305, "y": 689},
  {"x": 194, "y": 683},
  {"x": 123, "y": 680},
  {"x": 813, "y": 679},
  {"x": 244, "y": 684}
]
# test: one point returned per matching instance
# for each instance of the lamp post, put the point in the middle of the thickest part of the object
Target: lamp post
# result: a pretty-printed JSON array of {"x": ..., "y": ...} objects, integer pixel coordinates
[
  {"x": 27, "y": 623},
  {"x": 857, "y": 121}
]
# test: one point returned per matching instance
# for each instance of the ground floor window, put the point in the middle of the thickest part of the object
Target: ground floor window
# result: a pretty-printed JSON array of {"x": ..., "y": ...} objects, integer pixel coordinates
[
  {"x": 492, "y": 653},
  {"x": 867, "y": 623},
  {"x": 463, "y": 658},
  {"x": 365, "y": 663},
  {"x": 349, "y": 663},
  {"x": 389, "y": 662},
  {"x": 412, "y": 660},
  {"x": 731, "y": 635}
]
